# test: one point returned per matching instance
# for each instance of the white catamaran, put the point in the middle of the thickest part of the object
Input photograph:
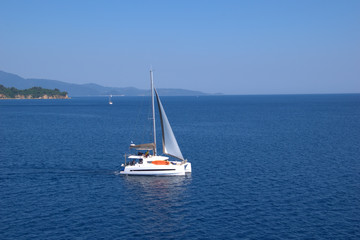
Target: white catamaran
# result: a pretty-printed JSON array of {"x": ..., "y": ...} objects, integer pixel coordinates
[{"x": 147, "y": 164}]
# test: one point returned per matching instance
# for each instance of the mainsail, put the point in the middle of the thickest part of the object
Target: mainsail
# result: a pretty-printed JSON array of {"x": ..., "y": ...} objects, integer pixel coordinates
[{"x": 170, "y": 145}]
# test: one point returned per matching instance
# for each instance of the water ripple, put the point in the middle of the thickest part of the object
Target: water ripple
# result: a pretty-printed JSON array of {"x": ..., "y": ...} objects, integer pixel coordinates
[{"x": 264, "y": 167}]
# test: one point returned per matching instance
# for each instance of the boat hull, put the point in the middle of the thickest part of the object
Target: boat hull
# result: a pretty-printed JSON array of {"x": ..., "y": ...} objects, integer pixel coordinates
[{"x": 157, "y": 170}]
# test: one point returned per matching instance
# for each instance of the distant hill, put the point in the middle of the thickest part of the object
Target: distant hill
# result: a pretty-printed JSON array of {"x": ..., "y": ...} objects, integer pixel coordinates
[{"x": 90, "y": 89}]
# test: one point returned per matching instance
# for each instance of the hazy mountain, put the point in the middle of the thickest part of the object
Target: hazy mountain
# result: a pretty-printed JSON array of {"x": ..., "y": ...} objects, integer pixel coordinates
[{"x": 90, "y": 89}]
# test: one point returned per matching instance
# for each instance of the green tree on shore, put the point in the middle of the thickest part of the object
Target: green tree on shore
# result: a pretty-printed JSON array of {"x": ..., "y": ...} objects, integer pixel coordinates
[{"x": 35, "y": 92}]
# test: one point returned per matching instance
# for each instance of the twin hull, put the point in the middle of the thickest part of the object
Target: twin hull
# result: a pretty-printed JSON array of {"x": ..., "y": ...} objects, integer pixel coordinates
[{"x": 150, "y": 169}]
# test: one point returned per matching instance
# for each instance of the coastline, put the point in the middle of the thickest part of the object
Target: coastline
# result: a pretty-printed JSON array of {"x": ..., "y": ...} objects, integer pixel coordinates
[{"x": 42, "y": 97}]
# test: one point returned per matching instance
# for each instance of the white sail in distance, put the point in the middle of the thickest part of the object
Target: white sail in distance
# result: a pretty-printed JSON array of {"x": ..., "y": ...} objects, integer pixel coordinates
[{"x": 170, "y": 145}]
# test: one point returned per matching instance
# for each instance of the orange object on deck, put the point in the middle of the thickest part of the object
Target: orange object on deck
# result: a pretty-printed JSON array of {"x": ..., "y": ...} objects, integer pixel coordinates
[{"x": 160, "y": 162}]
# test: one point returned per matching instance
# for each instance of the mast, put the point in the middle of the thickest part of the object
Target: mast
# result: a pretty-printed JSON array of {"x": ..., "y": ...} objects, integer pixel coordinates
[{"x": 153, "y": 107}]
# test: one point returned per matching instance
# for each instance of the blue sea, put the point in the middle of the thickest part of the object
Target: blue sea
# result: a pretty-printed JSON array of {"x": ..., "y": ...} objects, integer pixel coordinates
[{"x": 263, "y": 167}]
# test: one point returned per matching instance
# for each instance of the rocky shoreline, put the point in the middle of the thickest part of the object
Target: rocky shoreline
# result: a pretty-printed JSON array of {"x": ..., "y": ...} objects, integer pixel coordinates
[{"x": 2, "y": 96}]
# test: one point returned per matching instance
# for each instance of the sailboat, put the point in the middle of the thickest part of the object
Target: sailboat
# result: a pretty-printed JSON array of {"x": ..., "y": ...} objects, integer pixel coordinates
[
  {"x": 110, "y": 102},
  {"x": 150, "y": 163}
]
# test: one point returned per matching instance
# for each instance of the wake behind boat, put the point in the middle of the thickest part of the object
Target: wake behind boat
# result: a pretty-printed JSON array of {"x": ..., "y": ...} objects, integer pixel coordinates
[{"x": 147, "y": 164}]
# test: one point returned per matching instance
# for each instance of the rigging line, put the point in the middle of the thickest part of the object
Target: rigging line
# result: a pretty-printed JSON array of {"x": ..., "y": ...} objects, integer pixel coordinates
[
  {"x": 137, "y": 119},
  {"x": 147, "y": 127}
]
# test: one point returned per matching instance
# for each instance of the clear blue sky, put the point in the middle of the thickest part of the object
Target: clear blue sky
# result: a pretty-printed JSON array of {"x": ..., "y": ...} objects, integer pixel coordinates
[{"x": 233, "y": 47}]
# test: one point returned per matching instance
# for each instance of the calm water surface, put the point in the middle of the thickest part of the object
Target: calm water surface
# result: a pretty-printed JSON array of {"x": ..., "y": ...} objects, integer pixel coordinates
[{"x": 273, "y": 167}]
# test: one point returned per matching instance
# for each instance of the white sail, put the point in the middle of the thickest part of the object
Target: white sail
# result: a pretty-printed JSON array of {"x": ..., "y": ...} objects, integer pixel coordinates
[{"x": 170, "y": 145}]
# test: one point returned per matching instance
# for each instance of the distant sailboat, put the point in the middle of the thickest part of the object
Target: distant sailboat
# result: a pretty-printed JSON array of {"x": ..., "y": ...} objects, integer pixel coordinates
[
  {"x": 110, "y": 102},
  {"x": 146, "y": 164}
]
